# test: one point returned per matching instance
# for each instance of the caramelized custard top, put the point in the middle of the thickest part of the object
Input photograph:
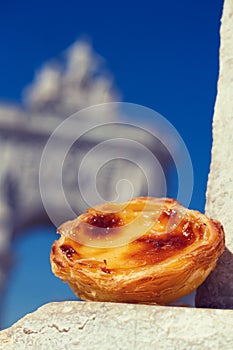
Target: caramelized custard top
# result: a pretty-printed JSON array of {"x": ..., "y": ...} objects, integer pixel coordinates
[{"x": 151, "y": 232}]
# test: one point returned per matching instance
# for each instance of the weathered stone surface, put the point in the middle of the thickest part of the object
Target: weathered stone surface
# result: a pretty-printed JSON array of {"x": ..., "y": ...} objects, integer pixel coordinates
[
  {"x": 217, "y": 291},
  {"x": 86, "y": 325}
]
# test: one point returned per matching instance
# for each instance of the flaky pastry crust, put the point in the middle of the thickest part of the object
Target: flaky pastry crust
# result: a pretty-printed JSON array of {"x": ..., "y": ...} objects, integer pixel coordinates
[{"x": 148, "y": 250}]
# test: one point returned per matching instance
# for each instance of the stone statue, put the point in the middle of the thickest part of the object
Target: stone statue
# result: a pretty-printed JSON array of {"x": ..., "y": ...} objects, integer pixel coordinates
[{"x": 59, "y": 91}]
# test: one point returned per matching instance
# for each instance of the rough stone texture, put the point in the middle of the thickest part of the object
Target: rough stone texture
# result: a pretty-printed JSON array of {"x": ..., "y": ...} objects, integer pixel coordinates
[
  {"x": 79, "y": 325},
  {"x": 217, "y": 291}
]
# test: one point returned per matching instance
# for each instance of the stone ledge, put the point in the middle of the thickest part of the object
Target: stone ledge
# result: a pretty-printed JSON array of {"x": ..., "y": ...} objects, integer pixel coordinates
[{"x": 90, "y": 325}]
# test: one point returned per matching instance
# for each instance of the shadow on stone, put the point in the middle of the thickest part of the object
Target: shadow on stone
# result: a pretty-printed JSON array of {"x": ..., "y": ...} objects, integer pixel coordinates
[{"x": 217, "y": 290}]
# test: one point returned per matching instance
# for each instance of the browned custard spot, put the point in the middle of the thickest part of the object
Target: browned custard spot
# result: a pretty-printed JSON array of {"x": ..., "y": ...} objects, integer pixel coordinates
[
  {"x": 102, "y": 224},
  {"x": 68, "y": 251},
  {"x": 105, "y": 270},
  {"x": 152, "y": 248},
  {"x": 167, "y": 214},
  {"x": 108, "y": 220}
]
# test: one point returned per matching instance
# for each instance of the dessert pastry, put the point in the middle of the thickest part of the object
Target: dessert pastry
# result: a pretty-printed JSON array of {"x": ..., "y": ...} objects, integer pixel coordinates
[{"x": 147, "y": 250}]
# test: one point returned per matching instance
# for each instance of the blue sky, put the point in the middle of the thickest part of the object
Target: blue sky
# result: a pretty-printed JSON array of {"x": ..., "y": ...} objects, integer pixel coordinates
[{"x": 163, "y": 55}]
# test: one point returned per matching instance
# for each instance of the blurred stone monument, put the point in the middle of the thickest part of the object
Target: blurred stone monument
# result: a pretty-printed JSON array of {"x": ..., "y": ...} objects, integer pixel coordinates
[{"x": 58, "y": 91}]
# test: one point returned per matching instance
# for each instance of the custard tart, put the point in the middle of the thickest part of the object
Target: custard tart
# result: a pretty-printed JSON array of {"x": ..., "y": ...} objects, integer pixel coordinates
[{"x": 148, "y": 250}]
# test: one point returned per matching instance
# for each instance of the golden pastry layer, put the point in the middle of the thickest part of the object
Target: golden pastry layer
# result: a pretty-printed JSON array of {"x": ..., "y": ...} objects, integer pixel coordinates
[{"x": 148, "y": 250}]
